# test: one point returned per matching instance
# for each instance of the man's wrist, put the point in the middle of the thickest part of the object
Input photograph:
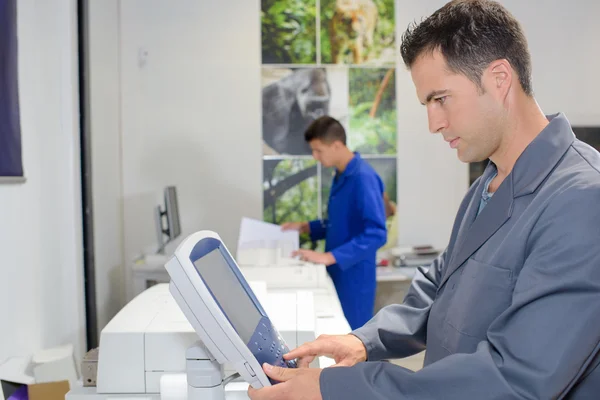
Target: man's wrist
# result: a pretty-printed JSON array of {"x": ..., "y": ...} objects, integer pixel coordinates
[
  {"x": 329, "y": 259},
  {"x": 361, "y": 348}
]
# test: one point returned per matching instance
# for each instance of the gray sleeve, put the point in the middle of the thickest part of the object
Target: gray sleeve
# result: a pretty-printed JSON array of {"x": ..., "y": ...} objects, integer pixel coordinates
[
  {"x": 399, "y": 330},
  {"x": 538, "y": 348}
]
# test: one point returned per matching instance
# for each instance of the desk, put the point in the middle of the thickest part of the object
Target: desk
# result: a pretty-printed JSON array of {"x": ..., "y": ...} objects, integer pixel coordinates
[{"x": 395, "y": 274}]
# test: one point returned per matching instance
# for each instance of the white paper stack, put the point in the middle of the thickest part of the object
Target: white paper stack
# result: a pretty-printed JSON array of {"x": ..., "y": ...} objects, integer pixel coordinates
[{"x": 263, "y": 243}]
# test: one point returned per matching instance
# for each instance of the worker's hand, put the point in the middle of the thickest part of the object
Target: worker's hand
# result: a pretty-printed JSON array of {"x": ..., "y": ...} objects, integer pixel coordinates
[
  {"x": 315, "y": 257},
  {"x": 346, "y": 350},
  {"x": 296, "y": 384},
  {"x": 302, "y": 227}
]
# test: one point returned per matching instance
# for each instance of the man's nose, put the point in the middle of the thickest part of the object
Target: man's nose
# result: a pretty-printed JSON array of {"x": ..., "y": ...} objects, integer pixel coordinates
[{"x": 437, "y": 121}]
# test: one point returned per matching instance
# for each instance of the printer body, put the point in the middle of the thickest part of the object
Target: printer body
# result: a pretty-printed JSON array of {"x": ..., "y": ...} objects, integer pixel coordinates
[{"x": 149, "y": 337}]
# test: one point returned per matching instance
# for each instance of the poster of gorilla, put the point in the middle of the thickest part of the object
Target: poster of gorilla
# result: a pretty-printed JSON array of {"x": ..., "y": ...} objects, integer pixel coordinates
[{"x": 294, "y": 97}]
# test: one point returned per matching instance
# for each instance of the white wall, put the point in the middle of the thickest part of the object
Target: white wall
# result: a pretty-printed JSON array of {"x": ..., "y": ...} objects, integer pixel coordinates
[
  {"x": 564, "y": 42},
  {"x": 188, "y": 113},
  {"x": 190, "y": 88},
  {"x": 41, "y": 290}
]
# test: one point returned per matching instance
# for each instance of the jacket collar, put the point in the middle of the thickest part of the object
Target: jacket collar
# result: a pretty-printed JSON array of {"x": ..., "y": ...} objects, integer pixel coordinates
[
  {"x": 351, "y": 168},
  {"x": 542, "y": 155}
]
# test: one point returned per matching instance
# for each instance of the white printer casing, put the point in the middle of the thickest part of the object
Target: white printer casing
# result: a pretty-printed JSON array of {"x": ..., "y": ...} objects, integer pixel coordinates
[{"x": 150, "y": 335}]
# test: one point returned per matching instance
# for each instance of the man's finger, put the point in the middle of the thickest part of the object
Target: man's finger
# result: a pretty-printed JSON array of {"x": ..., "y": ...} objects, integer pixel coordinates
[
  {"x": 302, "y": 351},
  {"x": 304, "y": 362},
  {"x": 252, "y": 393},
  {"x": 268, "y": 393},
  {"x": 278, "y": 373}
]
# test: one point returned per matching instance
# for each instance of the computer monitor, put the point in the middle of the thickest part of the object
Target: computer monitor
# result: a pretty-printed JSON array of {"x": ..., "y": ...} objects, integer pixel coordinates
[
  {"x": 168, "y": 224},
  {"x": 216, "y": 299}
]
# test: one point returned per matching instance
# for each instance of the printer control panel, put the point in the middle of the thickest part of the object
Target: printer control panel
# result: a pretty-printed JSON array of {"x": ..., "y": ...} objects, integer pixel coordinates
[{"x": 268, "y": 346}]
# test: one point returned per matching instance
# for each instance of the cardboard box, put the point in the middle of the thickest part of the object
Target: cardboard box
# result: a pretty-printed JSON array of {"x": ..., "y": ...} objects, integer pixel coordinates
[
  {"x": 48, "y": 391},
  {"x": 18, "y": 382},
  {"x": 35, "y": 391}
]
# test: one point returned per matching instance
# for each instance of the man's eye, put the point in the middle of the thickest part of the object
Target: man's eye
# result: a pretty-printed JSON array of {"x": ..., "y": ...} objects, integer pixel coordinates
[{"x": 441, "y": 100}]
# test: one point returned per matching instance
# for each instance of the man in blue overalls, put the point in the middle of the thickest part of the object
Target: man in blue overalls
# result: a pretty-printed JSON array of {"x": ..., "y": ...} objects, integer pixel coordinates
[{"x": 355, "y": 228}]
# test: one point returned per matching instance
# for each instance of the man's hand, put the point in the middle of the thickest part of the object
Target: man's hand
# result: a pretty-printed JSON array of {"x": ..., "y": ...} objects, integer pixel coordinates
[
  {"x": 302, "y": 227},
  {"x": 346, "y": 350},
  {"x": 296, "y": 384},
  {"x": 315, "y": 257}
]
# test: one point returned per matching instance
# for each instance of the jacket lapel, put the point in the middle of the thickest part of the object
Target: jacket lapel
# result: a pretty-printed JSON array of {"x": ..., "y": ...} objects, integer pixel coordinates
[
  {"x": 475, "y": 234},
  {"x": 473, "y": 207}
]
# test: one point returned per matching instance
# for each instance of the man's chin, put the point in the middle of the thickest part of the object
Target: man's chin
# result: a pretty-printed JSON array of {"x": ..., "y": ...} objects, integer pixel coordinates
[{"x": 465, "y": 157}]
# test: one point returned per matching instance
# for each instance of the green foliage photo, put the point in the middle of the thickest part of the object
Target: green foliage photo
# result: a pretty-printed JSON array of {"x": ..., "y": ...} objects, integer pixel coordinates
[
  {"x": 288, "y": 29},
  {"x": 372, "y": 128},
  {"x": 290, "y": 190}
]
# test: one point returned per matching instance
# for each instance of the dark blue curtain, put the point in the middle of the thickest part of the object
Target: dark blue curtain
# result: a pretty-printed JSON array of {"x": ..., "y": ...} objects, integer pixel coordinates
[{"x": 10, "y": 126}]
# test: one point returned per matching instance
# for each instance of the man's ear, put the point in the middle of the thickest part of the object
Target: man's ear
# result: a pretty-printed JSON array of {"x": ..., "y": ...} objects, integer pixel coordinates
[{"x": 499, "y": 77}]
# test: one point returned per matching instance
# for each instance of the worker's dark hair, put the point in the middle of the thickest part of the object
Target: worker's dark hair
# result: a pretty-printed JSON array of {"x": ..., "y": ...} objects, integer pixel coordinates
[
  {"x": 326, "y": 129},
  {"x": 471, "y": 34}
]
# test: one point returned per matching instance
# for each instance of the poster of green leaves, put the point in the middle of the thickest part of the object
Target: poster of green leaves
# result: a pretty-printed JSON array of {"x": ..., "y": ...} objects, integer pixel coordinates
[
  {"x": 288, "y": 31},
  {"x": 372, "y": 111},
  {"x": 290, "y": 190}
]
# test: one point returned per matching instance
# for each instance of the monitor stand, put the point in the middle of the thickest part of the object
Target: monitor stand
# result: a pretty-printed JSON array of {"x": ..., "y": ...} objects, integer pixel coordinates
[{"x": 204, "y": 374}]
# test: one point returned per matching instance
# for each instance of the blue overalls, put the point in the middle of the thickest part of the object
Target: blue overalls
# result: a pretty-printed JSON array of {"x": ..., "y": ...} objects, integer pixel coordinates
[{"x": 354, "y": 231}]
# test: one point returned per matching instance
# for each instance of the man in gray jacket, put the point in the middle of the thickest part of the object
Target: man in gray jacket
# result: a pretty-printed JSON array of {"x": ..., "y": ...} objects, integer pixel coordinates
[{"x": 511, "y": 309}]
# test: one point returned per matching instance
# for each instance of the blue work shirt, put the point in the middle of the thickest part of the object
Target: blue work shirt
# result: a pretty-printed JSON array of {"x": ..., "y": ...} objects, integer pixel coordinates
[{"x": 354, "y": 231}]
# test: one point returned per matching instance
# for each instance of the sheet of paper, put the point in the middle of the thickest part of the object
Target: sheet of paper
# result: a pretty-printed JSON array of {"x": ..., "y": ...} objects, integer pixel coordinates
[{"x": 260, "y": 234}]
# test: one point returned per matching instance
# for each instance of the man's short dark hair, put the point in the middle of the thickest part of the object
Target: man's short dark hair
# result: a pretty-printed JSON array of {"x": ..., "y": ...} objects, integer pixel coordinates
[
  {"x": 471, "y": 34},
  {"x": 326, "y": 129}
]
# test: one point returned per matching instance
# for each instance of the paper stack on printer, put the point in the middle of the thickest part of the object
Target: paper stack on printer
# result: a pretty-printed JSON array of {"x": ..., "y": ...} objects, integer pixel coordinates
[{"x": 263, "y": 243}]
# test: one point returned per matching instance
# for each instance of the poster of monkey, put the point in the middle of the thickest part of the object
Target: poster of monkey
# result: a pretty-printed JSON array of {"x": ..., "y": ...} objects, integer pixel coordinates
[
  {"x": 289, "y": 32},
  {"x": 358, "y": 32},
  {"x": 372, "y": 125},
  {"x": 294, "y": 97}
]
